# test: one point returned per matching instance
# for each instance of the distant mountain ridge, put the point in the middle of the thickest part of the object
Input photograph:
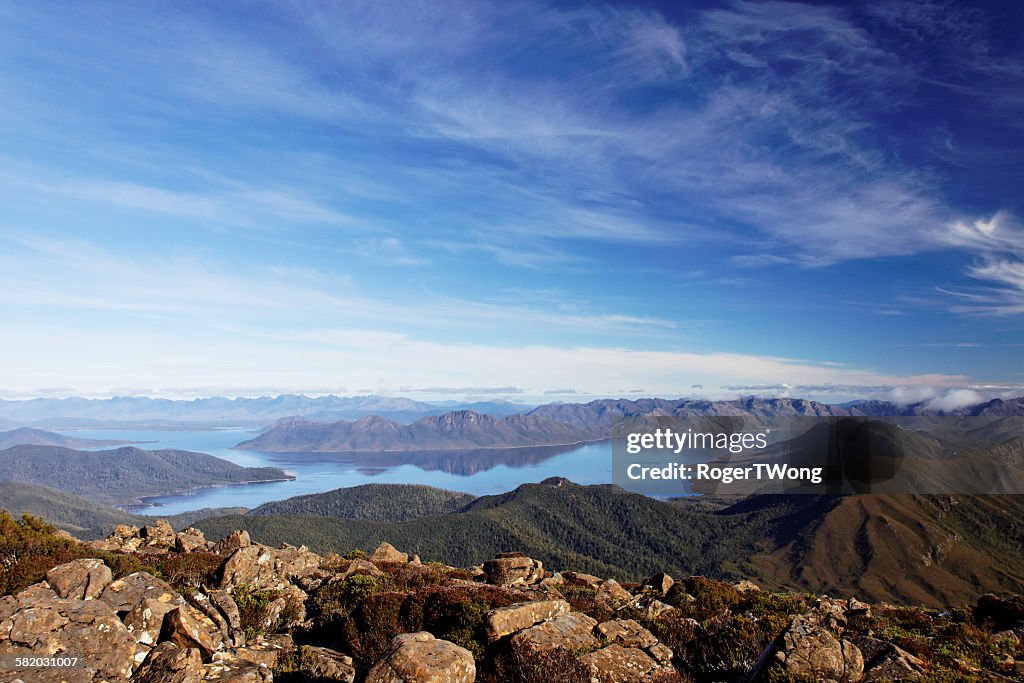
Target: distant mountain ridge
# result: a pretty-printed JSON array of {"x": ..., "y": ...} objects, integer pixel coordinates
[
  {"x": 133, "y": 411},
  {"x": 458, "y": 430},
  {"x": 38, "y": 437},
  {"x": 559, "y": 423}
]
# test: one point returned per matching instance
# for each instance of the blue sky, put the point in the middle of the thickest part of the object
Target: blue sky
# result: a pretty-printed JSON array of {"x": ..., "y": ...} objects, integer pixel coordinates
[{"x": 514, "y": 200}]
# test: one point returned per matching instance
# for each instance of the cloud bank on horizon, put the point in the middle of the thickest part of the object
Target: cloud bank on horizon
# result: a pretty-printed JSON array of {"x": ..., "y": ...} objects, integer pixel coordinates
[{"x": 521, "y": 199}]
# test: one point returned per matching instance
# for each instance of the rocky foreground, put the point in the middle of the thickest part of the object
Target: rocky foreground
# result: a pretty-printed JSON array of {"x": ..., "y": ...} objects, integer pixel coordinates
[{"x": 158, "y": 606}]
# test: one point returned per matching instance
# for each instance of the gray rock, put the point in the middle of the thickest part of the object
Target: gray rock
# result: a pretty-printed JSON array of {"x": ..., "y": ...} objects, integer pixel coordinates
[
  {"x": 504, "y": 621},
  {"x": 79, "y": 580},
  {"x": 421, "y": 658}
]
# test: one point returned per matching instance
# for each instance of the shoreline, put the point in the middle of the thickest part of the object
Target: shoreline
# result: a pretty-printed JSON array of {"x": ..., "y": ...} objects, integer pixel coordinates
[{"x": 136, "y": 508}]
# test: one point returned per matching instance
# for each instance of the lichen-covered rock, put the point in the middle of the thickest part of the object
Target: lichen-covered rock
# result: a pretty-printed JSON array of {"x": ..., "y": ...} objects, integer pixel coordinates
[
  {"x": 323, "y": 664},
  {"x": 236, "y": 672},
  {"x": 651, "y": 609},
  {"x": 37, "y": 623},
  {"x": 181, "y": 627},
  {"x": 79, "y": 580},
  {"x": 189, "y": 541},
  {"x": 158, "y": 535},
  {"x": 808, "y": 648},
  {"x": 124, "y": 594},
  {"x": 361, "y": 567},
  {"x": 505, "y": 621},
  {"x": 421, "y": 658},
  {"x": 626, "y": 632},
  {"x": 230, "y": 621},
  {"x": 508, "y": 569},
  {"x": 569, "y": 631},
  {"x": 266, "y": 652},
  {"x": 581, "y": 579},
  {"x": 258, "y": 566},
  {"x": 888, "y": 662},
  {"x": 612, "y": 593},
  {"x": 232, "y": 542},
  {"x": 125, "y": 538},
  {"x": 386, "y": 552},
  {"x": 146, "y": 620},
  {"x": 168, "y": 663},
  {"x": 617, "y": 664}
]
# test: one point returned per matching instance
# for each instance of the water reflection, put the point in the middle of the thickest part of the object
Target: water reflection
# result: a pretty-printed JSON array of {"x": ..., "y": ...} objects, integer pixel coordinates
[{"x": 479, "y": 472}]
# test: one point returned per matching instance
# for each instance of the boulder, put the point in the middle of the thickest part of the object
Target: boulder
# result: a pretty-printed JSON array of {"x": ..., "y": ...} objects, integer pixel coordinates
[
  {"x": 612, "y": 593},
  {"x": 237, "y": 672},
  {"x": 79, "y": 580},
  {"x": 806, "y": 647},
  {"x": 421, "y": 658},
  {"x": 887, "y": 662},
  {"x": 146, "y": 620},
  {"x": 661, "y": 583},
  {"x": 581, "y": 579},
  {"x": 258, "y": 566},
  {"x": 626, "y": 632},
  {"x": 267, "y": 651},
  {"x": 40, "y": 624},
  {"x": 323, "y": 664},
  {"x": 124, "y": 594},
  {"x": 189, "y": 541},
  {"x": 184, "y": 630},
  {"x": 168, "y": 663},
  {"x": 504, "y": 621},
  {"x": 361, "y": 567},
  {"x": 652, "y": 609},
  {"x": 513, "y": 568},
  {"x": 386, "y": 552},
  {"x": 231, "y": 618},
  {"x": 125, "y": 538},
  {"x": 570, "y": 631},
  {"x": 201, "y": 601},
  {"x": 617, "y": 664},
  {"x": 159, "y": 535},
  {"x": 232, "y": 542},
  {"x": 36, "y": 595}
]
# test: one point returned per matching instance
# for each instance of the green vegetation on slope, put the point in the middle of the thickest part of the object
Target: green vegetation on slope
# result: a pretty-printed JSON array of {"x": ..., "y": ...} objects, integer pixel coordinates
[
  {"x": 597, "y": 529},
  {"x": 123, "y": 475},
  {"x": 382, "y": 502},
  {"x": 83, "y": 518},
  {"x": 920, "y": 549}
]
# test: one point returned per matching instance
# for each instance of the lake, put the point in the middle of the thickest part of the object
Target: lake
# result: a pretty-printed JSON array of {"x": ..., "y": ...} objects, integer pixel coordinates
[{"x": 479, "y": 472}]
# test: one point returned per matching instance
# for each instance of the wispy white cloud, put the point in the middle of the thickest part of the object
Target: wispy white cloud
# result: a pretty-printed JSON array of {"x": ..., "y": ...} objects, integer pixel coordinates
[{"x": 197, "y": 323}]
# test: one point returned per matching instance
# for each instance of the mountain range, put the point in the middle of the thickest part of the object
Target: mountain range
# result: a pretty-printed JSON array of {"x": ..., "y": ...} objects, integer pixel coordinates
[
  {"x": 127, "y": 412},
  {"x": 559, "y": 424},
  {"x": 458, "y": 430}
]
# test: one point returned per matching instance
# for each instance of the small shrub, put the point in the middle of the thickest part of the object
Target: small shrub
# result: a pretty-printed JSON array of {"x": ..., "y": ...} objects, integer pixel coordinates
[
  {"x": 29, "y": 548},
  {"x": 189, "y": 571},
  {"x": 584, "y": 599},
  {"x": 254, "y": 610},
  {"x": 340, "y": 597},
  {"x": 537, "y": 667}
]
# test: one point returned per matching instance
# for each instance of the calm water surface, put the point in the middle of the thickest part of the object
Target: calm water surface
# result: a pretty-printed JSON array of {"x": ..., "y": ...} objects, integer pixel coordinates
[{"x": 481, "y": 472}]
